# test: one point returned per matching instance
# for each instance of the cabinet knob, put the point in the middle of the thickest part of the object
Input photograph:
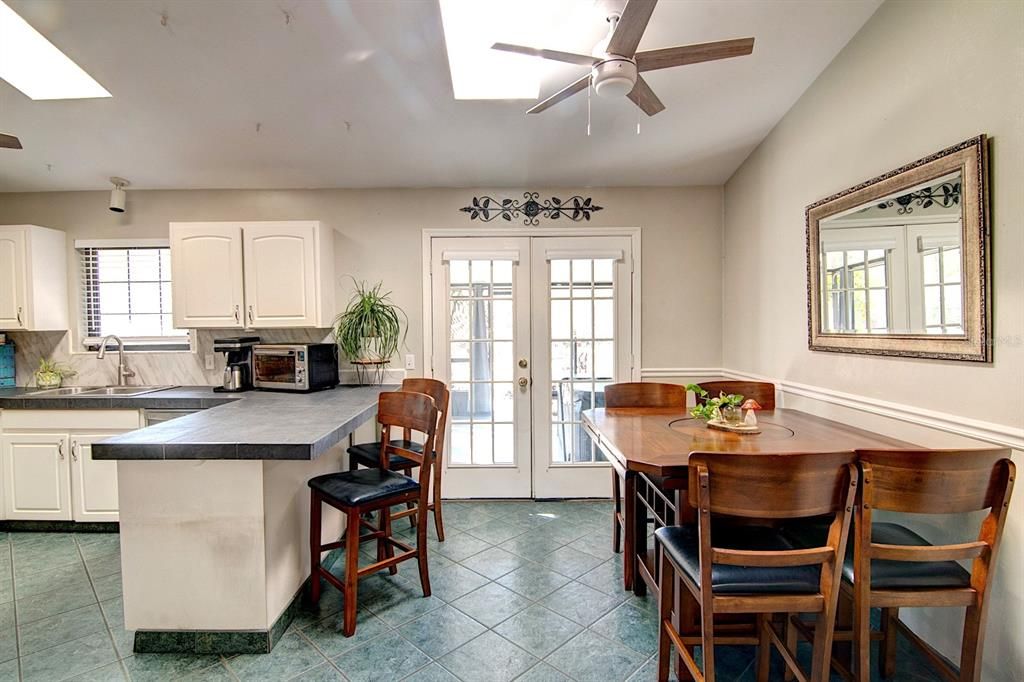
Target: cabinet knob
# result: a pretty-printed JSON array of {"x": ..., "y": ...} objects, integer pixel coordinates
[
  {"x": 19, "y": 315},
  {"x": 74, "y": 447},
  {"x": 60, "y": 449},
  {"x": 250, "y": 314},
  {"x": 236, "y": 314}
]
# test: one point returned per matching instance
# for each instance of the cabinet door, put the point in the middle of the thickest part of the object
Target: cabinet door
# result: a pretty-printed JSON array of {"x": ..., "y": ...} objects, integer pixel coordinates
[
  {"x": 280, "y": 275},
  {"x": 93, "y": 482},
  {"x": 12, "y": 278},
  {"x": 36, "y": 476},
  {"x": 206, "y": 275}
]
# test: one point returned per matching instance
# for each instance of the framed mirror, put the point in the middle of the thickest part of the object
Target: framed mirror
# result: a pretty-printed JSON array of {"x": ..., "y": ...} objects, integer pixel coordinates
[{"x": 899, "y": 265}]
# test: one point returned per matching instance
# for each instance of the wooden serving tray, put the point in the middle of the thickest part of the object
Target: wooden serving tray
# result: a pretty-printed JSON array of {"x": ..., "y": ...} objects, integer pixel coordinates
[{"x": 739, "y": 428}]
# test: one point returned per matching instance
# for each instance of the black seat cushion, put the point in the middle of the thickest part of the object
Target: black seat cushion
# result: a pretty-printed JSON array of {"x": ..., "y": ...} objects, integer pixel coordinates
[
  {"x": 368, "y": 454},
  {"x": 364, "y": 486},
  {"x": 683, "y": 547},
  {"x": 885, "y": 574}
]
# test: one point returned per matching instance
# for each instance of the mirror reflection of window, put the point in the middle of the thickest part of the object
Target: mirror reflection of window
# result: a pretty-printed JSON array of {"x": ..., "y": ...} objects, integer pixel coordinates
[
  {"x": 857, "y": 290},
  {"x": 943, "y": 299}
]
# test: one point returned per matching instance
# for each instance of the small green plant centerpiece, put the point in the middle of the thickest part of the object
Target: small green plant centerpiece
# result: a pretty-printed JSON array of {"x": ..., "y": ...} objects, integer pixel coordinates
[
  {"x": 726, "y": 407},
  {"x": 370, "y": 330},
  {"x": 51, "y": 374}
]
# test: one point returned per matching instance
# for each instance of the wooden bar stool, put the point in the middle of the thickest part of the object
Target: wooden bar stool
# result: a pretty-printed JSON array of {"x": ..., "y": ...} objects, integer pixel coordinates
[
  {"x": 355, "y": 493},
  {"x": 761, "y": 391},
  {"x": 741, "y": 568},
  {"x": 633, "y": 394},
  {"x": 368, "y": 454},
  {"x": 891, "y": 566}
]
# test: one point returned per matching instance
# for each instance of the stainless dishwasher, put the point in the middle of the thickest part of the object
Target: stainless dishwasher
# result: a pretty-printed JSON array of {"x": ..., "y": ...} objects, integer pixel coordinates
[{"x": 160, "y": 416}]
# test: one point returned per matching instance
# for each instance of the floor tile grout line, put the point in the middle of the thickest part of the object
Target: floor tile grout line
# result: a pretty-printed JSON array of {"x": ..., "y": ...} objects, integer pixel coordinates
[
  {"x": 330, "y": 661},
  {"x": 14, "y": 605}
]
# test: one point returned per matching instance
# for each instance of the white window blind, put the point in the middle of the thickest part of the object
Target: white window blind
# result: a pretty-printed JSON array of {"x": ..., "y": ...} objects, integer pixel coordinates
[{"x": 126, "y": 291}]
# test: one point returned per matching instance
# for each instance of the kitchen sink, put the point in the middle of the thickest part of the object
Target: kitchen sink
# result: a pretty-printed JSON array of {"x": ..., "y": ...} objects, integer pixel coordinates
[
  {"x": 95, "y": 391},
  {"x": 124, "y": 391}
]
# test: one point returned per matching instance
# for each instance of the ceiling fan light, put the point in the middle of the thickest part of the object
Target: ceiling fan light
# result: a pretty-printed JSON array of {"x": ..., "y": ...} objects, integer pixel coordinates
[
  {"x": 616, "y": 86},
  {"x": 614, "y": 77}
]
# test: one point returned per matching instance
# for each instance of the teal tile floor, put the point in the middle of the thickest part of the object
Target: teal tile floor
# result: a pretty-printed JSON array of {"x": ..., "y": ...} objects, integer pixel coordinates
[{"x": 505, "y": 605}]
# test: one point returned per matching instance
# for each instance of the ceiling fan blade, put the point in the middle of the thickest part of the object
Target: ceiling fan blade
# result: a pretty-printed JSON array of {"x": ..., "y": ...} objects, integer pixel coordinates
[
  {"x": 651, "y": 60},
  {"x": 631, "y": 27},
  {"x": 9, "y": 142},
  {"x": 555, "y": 55},
  {"x": 564, "y": 93},
  {"x": 644, "y": 97}
]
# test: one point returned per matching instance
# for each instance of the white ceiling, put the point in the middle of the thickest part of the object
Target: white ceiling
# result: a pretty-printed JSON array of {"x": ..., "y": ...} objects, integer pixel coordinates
[{"x": 357, "y": 94}]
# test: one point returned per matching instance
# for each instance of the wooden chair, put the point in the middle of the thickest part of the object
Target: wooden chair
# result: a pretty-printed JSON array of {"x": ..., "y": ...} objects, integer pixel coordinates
[
  {"x": 368, "y": 454},
  {"x": 892, "y": 566},
  {"x": 356, "y": 493},
  {"x": 634, "y": 394},
  {"x": 756, "y": 570},
  {"x": 761, "y": 391}
]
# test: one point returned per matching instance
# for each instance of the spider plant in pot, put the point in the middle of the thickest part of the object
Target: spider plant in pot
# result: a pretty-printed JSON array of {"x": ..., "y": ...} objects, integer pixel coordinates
[
  {"x": 371, "y": 328},
  {"x": 51, "y": 374}
]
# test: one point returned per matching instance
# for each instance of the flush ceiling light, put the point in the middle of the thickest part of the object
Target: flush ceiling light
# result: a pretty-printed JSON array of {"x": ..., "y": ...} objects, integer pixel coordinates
[
  {"x": 472, "y": 26},
  {"x": 32, "y": 64},
  {"x": 117, "y": 195}
]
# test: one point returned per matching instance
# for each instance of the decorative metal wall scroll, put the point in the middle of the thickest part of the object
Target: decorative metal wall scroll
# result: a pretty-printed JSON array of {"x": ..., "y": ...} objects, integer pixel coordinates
[
  {"x": 947, "y": 194},
  {"x": 487, "y": 208}
]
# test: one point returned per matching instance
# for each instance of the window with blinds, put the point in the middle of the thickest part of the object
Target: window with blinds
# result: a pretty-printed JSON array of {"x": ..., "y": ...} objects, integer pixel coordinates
[{"x": 126, "y": 291}]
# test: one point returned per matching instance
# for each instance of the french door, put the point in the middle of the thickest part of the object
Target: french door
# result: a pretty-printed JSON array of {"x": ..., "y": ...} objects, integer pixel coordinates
[{"x": 527, "y": 332}]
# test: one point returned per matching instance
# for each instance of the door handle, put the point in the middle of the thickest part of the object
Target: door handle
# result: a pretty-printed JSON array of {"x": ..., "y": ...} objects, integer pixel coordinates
[
  {"x": 237, "y": 319},
  {"x": 74, "y": 446},
  {"x": 523, "y": 363},
  {"x": 523, "y": 382},
  {"x": 60, "y": 449}
]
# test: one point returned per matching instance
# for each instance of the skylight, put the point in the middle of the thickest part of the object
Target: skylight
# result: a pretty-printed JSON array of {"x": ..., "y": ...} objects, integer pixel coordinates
[
  {"x": 32, "y": 64},
  {"x": 472, "y": 26}
]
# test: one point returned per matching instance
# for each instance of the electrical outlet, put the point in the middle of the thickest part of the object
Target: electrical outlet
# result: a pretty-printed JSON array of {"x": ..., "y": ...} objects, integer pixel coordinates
[
  {"x": 410, "y": 361},
  {"x": 209, "y": 361}
]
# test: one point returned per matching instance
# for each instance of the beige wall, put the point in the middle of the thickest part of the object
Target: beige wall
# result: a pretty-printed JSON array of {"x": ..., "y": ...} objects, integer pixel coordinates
[
  {"x": 918, "y": 77},
  {"x": 379, "y": 238}
]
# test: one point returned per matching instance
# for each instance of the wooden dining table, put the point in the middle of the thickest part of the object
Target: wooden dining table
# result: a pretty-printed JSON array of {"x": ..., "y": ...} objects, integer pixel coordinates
[{"x": 651, "y": 447}]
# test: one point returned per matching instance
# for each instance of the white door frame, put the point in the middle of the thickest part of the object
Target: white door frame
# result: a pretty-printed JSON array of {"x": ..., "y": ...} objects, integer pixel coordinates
[{"x": 633, "y": 233}]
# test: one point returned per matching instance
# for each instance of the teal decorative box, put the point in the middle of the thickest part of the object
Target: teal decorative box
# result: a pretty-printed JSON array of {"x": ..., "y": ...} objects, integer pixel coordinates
[{"x": 7, "y": 375}]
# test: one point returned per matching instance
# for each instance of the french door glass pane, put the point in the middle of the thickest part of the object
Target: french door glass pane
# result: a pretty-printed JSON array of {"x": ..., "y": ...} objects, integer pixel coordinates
[
  {"x": 582, "y": 347},
  {"x": 481, "y": 362}
]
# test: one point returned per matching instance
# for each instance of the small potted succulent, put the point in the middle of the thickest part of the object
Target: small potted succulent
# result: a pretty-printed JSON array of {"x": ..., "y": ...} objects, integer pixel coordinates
[
  {"x": 51, "y": 374},
  {"x": 726, "y": 407}
]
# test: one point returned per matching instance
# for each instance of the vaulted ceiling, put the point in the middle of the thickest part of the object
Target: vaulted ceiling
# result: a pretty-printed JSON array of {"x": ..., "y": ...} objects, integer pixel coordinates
[{"x": 330, "y": 93}]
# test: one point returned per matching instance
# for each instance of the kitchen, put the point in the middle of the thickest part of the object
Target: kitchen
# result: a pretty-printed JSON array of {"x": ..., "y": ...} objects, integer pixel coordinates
[{"x": 156, "y": 468}]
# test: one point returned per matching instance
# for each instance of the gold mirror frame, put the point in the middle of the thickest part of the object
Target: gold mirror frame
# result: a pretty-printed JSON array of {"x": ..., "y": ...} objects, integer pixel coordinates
[{"x": 971, "y": 159}]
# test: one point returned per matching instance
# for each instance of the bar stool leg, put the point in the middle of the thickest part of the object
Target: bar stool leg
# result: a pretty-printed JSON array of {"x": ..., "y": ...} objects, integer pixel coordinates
[
  {"x": 764, "y": 647},
  {"x": 790, "y": 644},
  {"x": 351, "y": 572},
  {"x": 665, "y": 601},
  {"x": 970, "y": 649},
  {"x": 315, "y": 511},
  {"x": 438, "y": 521},
  {"x": 421, "y": 550},
  {"x": 389, "y": 549},
  {"x": 887, "y": 649}
]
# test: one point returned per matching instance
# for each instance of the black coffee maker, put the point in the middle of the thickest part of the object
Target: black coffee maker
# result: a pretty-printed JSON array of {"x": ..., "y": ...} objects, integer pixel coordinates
[{"x": 238, "y": 370}]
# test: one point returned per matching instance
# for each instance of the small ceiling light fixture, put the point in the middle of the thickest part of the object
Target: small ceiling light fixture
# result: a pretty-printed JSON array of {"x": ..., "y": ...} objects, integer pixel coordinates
[{"x": 118, "y": 195}]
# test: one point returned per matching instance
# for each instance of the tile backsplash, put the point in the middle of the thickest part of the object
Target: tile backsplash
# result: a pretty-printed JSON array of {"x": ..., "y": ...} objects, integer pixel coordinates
[{"x": 181, "y": 369}]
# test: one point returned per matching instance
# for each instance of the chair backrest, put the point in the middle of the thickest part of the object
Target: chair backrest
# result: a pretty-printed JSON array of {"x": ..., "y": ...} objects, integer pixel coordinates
[
  {"x": 936, "y": 482},
  {"x": 761, "y": 391},
  {"x": 643, "y": 394},
  {"x": 408, "y": 411},
  {"x": 437, "y": 390},
  {"x": 774, "y": 486}
]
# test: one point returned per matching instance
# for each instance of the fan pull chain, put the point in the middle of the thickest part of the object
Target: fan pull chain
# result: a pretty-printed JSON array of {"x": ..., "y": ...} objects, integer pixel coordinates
[
  {"x": 637, "y": 120},
  {"x": 590, "y": 87}
]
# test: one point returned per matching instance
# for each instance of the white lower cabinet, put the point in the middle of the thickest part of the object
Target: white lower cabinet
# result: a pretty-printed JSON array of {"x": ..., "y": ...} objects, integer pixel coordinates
[
  {"x": 36, "y": 476},
  {"x": 48, "y": 474},
  {"x": 93, "y": 482}
]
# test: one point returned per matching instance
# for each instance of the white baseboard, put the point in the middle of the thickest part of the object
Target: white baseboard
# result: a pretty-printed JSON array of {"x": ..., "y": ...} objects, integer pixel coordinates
[{"x": 990, "y": 432}]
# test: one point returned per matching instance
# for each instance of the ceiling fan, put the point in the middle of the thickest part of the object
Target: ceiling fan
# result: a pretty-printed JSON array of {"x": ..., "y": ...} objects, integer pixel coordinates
[
  {"x": 9, "y": 142},
  {"x": 615, "y": 66}
]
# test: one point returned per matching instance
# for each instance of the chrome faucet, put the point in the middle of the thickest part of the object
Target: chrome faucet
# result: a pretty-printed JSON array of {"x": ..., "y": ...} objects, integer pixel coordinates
[{"x": 122, "y": 369}]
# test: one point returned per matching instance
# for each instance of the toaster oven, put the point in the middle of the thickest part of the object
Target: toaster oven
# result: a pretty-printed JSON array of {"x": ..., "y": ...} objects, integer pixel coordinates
[{"x": 299, "y": 367}]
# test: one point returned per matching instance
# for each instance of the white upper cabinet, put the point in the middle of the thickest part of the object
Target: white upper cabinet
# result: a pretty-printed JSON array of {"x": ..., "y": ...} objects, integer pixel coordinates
[
  {"x": 206, "y": 275},
  {"x": 33, "y": 278},
  {"x": 260, "y": 275}
]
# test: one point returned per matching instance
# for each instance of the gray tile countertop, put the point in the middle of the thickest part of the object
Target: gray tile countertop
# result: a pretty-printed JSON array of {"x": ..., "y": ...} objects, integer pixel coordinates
[{"x": 250, "y": 425}]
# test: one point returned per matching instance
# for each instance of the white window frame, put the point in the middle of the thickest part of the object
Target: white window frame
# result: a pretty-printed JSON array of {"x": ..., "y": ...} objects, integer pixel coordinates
[{"x": 134, "y": 344}]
